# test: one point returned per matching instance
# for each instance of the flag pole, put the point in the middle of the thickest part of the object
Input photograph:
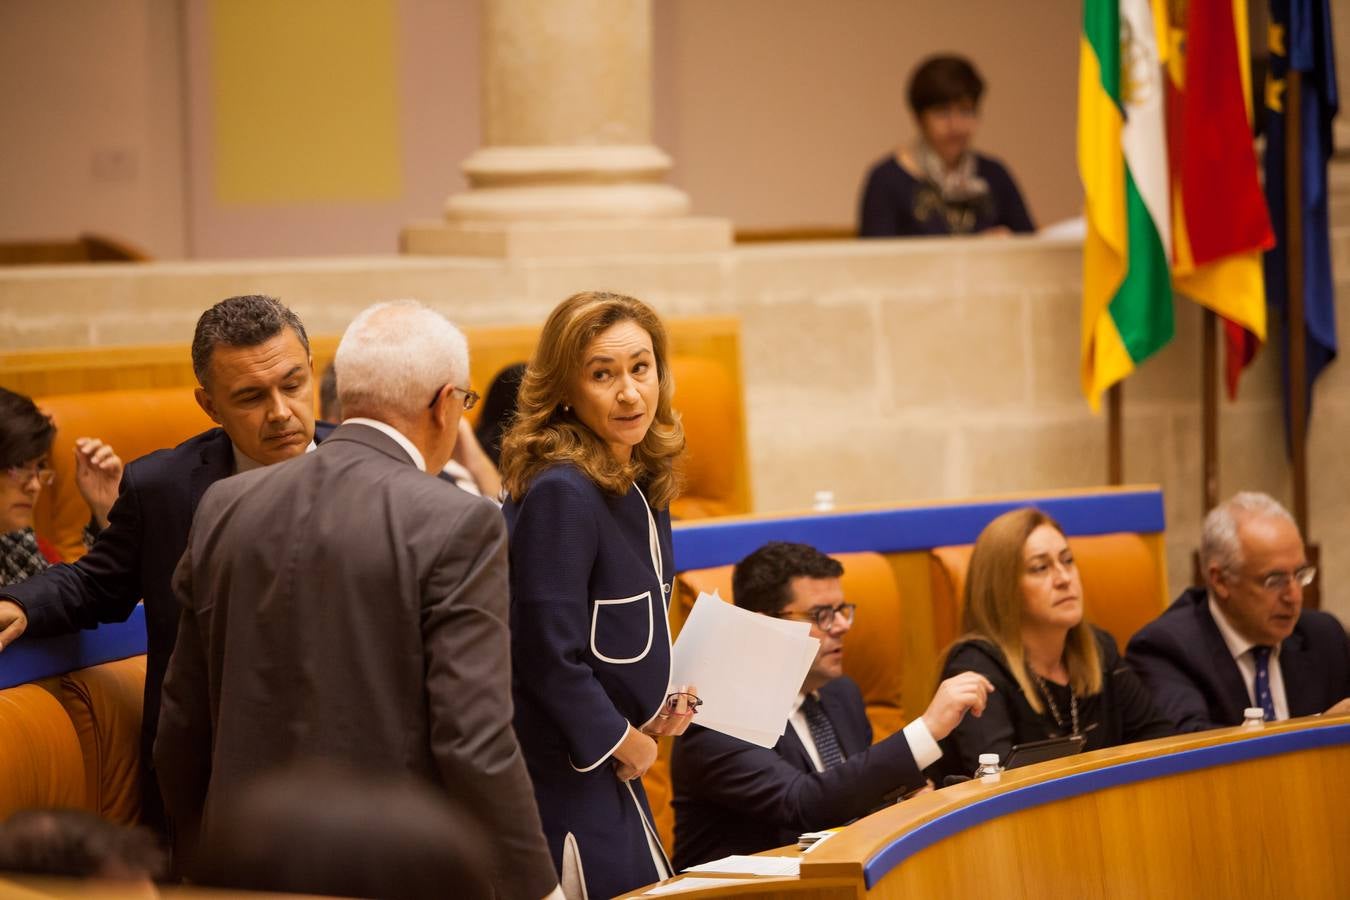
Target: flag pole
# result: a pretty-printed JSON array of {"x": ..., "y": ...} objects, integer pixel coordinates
[
  {"x": 1294, "y": 322},
  {"x": 1115, "y": 453},
  {"x": 1209, "y": 380}
]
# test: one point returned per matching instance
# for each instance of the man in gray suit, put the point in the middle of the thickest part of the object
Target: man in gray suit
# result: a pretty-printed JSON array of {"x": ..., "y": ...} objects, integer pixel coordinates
[{"x": 348, "y": 606}]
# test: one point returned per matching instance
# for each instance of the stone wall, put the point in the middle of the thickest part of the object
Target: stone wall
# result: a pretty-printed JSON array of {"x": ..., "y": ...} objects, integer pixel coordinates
[{"x": 883, "y": 370}]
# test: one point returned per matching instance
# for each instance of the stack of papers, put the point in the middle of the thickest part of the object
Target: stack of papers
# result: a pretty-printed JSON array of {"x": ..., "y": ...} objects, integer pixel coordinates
[
  {"x": 752, "y": 865},
  {"x": 748, "y": 668}
]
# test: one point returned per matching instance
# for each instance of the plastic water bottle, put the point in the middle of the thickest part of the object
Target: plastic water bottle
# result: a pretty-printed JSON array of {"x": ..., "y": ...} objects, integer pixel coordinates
[
  {"x": 1253, "y": 717},
  {"x": 823, "y": 502},
  {"x": 988, "y": 770}
]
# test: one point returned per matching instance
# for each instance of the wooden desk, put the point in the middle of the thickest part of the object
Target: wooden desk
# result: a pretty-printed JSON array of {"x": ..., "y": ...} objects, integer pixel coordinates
[{"x": 1226, "y": 813}]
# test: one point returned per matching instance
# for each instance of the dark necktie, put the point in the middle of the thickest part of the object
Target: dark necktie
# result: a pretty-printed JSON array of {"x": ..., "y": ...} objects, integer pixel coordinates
[
  {"x": 1263, "y": 696},
  {"x": 822, "y": 732}
]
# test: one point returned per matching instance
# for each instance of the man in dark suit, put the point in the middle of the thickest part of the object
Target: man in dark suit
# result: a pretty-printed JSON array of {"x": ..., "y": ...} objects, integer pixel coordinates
[
  {"x": 731, "y": 796},
  {"x": 1246, "y": 641},
  {"x": 350, "y": 607},
  {"x": 251, "y": 358}
]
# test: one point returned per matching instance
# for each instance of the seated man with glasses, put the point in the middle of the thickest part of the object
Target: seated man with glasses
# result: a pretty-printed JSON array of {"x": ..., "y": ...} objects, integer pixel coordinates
[
  {"x": 1245, "y": 640},
  {"x": 733, "y": 797}
]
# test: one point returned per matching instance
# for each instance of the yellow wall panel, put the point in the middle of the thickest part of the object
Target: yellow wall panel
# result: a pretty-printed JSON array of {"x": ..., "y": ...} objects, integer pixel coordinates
[{"x": 306, "y": 101}]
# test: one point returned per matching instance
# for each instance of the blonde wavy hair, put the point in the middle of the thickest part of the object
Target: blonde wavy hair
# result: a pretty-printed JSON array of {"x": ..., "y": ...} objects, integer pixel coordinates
[
  {"x": 994, "y": 604},
  {"x": 543, "y": 434}
]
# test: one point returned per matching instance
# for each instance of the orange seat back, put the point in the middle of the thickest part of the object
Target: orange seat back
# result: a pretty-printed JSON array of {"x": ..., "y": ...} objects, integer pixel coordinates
[
  {"x": 1120, "y": 584},
  {"x": 133, "y": 422},
  {"x": 40, "y": 760}
]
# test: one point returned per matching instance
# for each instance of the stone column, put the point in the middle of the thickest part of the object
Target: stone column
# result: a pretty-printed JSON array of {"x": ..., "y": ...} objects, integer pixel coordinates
[{"x": 567, "y": 166}]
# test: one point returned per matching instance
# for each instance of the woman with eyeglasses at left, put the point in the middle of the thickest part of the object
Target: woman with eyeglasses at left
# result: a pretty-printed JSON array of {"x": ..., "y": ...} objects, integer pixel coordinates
[{"x": 26, "y": 436}]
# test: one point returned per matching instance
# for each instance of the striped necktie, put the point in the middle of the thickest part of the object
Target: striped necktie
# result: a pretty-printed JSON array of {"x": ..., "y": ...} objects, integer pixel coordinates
[
  {"x": 822, "y": 732},
  {"x": 1263, "y": 695}
]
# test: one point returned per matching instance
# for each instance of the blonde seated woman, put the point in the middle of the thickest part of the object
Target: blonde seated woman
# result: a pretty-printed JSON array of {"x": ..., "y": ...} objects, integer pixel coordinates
[{"x": 1054, "y": 673}]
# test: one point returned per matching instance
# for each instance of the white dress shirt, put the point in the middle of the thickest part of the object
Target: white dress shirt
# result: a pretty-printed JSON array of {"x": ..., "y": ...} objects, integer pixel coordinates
[
  {"x": 245, "y": 463},
  {"x": 921, "y": 744},
  {"x": 1241, "y": 649}
]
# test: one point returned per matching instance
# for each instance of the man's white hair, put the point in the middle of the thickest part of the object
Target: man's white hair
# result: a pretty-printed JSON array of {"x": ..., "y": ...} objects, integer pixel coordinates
[
  {"x": 1219, "y": 541},
  {"x": 394, "y": 356}
]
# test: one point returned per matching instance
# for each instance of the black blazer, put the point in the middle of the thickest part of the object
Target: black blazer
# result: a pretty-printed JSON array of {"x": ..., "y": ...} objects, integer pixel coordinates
[
  {"x": 133, "y": 559},
  {"x": 732, "y": 796},
  {"x": 1182, "y": 658}
]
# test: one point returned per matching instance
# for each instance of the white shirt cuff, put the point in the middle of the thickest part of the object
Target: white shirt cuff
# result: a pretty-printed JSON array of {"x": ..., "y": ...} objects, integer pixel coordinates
[{"x": 926, "y": 750}]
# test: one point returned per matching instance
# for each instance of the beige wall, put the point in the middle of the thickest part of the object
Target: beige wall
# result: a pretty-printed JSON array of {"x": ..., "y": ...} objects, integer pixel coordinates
[
  {"x": 772, "y": 111},
  {"x": 90, "y": 106},
  {"x": 775, "y": 109},
  {"x": 882, "y": 370}
]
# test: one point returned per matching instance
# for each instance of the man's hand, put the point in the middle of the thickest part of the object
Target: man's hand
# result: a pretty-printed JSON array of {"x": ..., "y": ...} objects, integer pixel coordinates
[
  {"x": 954, "y": 697},
  {"x": 676, "y": 713},
  {"x": 635, "y": 755},
  {"x": 12, "y": 622},
  {"x": 98, "y": 472},
  {"x": 1341, "y": 708}
]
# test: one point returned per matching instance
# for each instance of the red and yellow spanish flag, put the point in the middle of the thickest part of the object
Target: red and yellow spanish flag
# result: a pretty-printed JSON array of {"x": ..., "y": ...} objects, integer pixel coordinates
[
  {"x": 1220, "y": 221},
  {"x": 1122, "y": 159}
]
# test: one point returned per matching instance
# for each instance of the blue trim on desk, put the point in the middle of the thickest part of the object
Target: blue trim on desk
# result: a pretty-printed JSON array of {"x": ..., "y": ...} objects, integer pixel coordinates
[
  {"x": 32, "y": 658},
  {"x": 702, "y": 545},
  {"x": 980, "y": 811}
]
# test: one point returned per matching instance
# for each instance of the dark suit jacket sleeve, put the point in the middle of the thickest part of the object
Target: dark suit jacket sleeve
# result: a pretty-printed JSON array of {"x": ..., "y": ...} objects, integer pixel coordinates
[
  {"x": 467, "y": 645},
  {"x": 1140, "y": 718},
  {"x": 878, "y": 208},
  {"x": 760, "y": 784},
  {"x": 553, "y": 548},
  {"x": 183, "y": 741},
  {"x": 1156, "y": 654},
  {"x": 102, "y": 586}
]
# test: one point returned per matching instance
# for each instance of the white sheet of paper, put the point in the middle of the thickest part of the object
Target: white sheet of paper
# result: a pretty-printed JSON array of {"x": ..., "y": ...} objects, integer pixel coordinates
[
  {"x": 748, "y": 668},
  {"x": 751, "y": 865},
  {"x": 692, "y": 884}
]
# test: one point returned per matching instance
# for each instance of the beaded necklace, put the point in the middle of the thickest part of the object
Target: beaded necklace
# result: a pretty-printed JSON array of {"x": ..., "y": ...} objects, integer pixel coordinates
[{"x": 1054, "y": 710}]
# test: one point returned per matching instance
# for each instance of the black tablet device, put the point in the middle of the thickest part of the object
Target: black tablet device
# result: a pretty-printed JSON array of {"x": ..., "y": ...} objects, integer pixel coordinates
[{"x": 1040, "y": 751}]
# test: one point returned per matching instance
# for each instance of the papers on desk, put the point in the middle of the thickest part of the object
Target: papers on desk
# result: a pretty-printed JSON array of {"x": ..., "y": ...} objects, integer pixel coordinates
[
  {"x": 691, "y": 884},
  {"x": 752, "y": 865},
  {"x": 748, "y": 668}
]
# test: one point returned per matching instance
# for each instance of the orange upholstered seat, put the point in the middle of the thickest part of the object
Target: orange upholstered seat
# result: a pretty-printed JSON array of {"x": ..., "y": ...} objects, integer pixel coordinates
[
  {"x": 40, "y": 760},
  {"x": 104, "y": 704},
  {"x": 709, "y": 402},
  {"x": 1121, "y": 584},
  {"x": 133, "y": 422}
]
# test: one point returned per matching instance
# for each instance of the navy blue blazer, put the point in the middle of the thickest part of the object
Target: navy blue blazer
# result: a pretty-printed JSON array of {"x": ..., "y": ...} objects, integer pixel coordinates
[
  {"x": 1183, "y": 660},
  {"x": 732, "y": 796},
  {"x": 590, "y": 655},
  {"x": 134, "y": 559}
]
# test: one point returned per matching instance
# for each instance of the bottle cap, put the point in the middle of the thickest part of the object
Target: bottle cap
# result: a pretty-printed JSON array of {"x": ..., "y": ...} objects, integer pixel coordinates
[
  {"x": 988, "y": 759},
  {"x": 1254, "y": 712}
]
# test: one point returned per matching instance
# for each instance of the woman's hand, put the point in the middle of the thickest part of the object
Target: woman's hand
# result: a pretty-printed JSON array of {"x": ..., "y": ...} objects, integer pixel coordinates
[
  {"x": 635, "y": 755},
  {"x": 98, "y": 472},
  {"x": 676, "y": 713}
]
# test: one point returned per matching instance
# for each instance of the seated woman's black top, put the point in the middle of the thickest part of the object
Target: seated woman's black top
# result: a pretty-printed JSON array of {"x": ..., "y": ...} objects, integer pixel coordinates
[
  {"x": 896, "y": 204},
  {"x": 1121, "y": 713}
]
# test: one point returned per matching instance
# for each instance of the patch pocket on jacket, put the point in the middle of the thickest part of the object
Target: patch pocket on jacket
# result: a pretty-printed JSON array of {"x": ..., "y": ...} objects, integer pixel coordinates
[{"x": 621, "y": 630}]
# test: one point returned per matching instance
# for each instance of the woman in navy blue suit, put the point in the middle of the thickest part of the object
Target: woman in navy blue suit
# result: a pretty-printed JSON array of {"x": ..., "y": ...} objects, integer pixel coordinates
[{"x": 589, "y": 467}]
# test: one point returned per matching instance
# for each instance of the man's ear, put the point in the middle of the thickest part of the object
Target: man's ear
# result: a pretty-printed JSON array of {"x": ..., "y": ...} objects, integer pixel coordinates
[
  {"x": 204, "y": 401},
  {"x": 1214, "y": 580}
]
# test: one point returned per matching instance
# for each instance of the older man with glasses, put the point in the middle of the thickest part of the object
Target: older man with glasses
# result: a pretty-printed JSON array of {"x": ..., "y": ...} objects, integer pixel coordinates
[
  {"x": 1244, "y": 640},
  {"x": 735, "y": 797}
]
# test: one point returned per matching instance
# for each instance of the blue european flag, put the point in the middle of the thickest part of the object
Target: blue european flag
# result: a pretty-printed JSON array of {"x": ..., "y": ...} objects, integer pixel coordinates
[{"x": 1301, "y": 39}]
